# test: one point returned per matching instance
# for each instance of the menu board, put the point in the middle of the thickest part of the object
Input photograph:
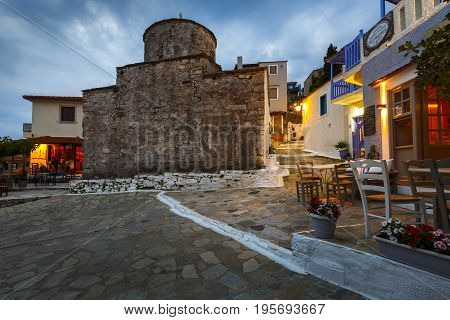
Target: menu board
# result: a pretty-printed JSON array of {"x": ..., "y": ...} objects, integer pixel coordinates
[{"x": 369, "y": 121}]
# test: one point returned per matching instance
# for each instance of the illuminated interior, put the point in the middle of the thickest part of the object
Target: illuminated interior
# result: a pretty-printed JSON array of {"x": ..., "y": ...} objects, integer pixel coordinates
[{"x": 68, "y": 156}]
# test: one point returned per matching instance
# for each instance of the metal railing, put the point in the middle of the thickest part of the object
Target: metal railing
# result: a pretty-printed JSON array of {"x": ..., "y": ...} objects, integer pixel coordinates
[
  {"x": 353, "y": 52},
  {"x": 339, "y": 88}
]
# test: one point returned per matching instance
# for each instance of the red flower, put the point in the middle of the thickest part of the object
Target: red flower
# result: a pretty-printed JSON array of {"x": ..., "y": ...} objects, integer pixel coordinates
[
  {"x": 426, "y": 227},
  {"x": 315, "y": 202}
]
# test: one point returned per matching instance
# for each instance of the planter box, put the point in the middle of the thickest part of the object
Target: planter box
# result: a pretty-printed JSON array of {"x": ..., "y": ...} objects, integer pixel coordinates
[
  {"x": 423, "y": 259},
  {"x": 323, "y": 227}
]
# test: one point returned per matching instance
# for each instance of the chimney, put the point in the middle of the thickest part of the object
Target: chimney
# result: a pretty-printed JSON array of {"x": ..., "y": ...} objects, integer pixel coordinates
[{"x": 239, "y": 62}]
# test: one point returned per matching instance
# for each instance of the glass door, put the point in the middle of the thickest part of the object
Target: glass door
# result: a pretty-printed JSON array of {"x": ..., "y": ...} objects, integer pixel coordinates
[{"x": 438, "y": 126}]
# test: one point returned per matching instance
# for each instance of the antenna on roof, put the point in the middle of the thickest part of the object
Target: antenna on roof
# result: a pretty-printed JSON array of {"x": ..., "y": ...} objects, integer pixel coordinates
[{"x": 181, "y": 15}]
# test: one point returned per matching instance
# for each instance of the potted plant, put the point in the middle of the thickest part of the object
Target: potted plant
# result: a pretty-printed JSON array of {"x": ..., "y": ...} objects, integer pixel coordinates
[
  {"x": 324, "y": 215},
  {"x": 22, "y": 179},
  {"x": 419, "y": 246},
  {"x": 342, "y": 147}
]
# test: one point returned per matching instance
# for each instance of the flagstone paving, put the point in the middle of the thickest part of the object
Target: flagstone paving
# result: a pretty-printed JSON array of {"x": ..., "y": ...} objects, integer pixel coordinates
[
  {"x": 130, "y": 246},
  {"x": 275, "y": 214}
]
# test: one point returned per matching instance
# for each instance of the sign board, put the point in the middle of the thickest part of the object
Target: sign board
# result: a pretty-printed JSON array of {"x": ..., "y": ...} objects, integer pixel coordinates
[
  {"x": 369, "y": 121},
  {"x": 379, "y": 34}
]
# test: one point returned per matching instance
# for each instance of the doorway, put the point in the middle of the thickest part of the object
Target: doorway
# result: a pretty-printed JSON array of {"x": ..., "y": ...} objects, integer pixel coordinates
[
  {"x": 358, "y": 137},
  {"x": 402, "y": 128}
]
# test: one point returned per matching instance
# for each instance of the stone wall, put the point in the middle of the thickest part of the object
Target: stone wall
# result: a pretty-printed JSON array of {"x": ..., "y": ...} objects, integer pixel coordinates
[
  {"x": 271, "y": 177},
  {"x": 174, "y": 38},
  {"x": 177, "y": 111},
  {"x": 175, "y": 115}
]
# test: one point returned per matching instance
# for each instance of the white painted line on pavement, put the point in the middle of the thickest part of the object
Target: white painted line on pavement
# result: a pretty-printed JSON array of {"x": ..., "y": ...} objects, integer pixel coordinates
[{"x": 264, "y": 247}]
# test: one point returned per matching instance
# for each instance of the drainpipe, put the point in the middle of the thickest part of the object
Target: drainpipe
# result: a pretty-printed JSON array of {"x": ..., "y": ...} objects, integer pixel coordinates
[{"x": 382, "y": 8}]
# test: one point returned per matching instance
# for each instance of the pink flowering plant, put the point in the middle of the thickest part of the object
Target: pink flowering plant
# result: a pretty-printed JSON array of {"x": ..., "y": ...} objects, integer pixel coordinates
[
  {"x": 329, "y": 209},
  {"x": 421, "y": 236}
]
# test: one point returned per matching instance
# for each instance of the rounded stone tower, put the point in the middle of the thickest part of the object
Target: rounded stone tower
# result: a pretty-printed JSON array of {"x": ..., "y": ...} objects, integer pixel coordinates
[{"x": 174, "y": 38}]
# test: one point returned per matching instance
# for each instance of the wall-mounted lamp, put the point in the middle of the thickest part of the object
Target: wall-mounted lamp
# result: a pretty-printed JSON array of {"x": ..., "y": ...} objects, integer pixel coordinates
[
  {"x": 381, "y": 106},
  {"x": 298, "y": 108}
]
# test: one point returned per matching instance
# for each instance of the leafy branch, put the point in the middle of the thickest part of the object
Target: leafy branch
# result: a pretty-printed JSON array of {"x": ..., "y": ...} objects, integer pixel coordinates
[{"x": 432, "y": 58}]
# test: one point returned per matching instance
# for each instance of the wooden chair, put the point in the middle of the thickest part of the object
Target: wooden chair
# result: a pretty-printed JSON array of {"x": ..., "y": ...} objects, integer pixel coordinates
[
  {"x": 441, "y": 182},
  {"x": 420, "y": 178},
  {"x": 343, "y": 183},
  {"x": 308, "y": 182},
  {"x": 5, "y": 185},
  {"x": 381, "y": 193}
]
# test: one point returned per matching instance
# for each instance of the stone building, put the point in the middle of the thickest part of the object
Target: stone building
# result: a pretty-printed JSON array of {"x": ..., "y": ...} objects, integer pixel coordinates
[{"x": 177, "y": 111}]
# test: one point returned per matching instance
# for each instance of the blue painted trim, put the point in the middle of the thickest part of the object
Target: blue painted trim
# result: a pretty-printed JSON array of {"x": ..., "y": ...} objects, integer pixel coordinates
[{"x": 382, "y": 8}]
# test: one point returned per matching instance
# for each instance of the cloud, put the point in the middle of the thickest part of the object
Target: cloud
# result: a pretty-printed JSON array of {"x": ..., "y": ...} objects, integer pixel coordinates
[{"x": 109, "y": 33}]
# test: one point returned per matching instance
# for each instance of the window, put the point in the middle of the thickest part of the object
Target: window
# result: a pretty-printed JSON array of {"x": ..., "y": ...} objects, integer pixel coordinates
[
  {"x": 273, "y": 93},
  {"x": 323, "y": 105},
  {"x": 402, "y": 19},
  {"x": 67, "y": 114},
  {"x": 273, "y": 69},
  {"x": 402, "y": 102},
  {"x": 438, "y": 119},
  {"x": 418, "y": 7}
]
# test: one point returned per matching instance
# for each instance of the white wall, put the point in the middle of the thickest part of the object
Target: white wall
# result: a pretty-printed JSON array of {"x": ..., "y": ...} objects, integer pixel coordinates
[
  {"x": 45, "y": 120},
  {"x": 322, "y": 132},
  {"x": 279, "y": 80},
  {"x": 428, "y": 10}
]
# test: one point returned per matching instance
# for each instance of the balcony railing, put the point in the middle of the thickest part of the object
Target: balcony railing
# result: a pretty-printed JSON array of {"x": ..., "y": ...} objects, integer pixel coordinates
[
  {"x": 353, "y": 52},
  {"x": 339, "y": 88}
]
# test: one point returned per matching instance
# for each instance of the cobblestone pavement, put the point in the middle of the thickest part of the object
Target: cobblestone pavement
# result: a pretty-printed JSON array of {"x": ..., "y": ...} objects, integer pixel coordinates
[
  {"x": 289, "y": 154},
  {"x": 274, "y": 214},
  {"x": 22, "y": 196},
  {"x": 130, "y": 246}
]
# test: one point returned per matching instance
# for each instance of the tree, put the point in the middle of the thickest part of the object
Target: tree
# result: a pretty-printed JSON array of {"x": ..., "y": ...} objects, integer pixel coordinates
[
  {"x": 337, "y": 68},
  {"x": 324, "y": 76},
  {"x": 11, "y": 148},
  {"x": 432, "y": 58}
]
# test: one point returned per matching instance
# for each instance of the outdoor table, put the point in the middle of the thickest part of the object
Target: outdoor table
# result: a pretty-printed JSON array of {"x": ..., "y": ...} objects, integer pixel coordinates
[
  {"x": 440, "y": 170},
  {"x": 325, "y": 171}
]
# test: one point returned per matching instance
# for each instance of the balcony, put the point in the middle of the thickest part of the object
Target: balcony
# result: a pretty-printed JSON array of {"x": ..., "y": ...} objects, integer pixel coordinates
[
  {"x": 341, "y": 88},
  {"x": 352, "y": 52}
]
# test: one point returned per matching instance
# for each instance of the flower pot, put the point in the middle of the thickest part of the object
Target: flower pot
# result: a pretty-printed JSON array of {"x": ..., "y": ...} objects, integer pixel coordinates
[
  {"x": 423, "y": 259},
  {"x": 323, "y": 227},
  {"x": 343, "y": 154}
]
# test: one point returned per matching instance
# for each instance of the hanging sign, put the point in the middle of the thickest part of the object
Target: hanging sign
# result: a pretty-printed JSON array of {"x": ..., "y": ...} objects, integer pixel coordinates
[{"x": 379, "y": 34}]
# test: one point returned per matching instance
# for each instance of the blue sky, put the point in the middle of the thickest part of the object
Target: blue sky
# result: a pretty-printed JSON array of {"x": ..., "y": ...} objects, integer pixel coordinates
[{"x": 109, "y": 33}]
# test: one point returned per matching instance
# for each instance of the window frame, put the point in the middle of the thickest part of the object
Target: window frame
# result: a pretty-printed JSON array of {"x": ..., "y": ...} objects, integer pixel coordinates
[
  {"x": 401, "y": 102},
  {"x": 325, "y": 98},
  {"x": 273, "y": 65},
  {"x": 402, "y": 18},
  {"x": 61, "y": 114},
  {"x": 278, "y": 92},
  {"x": 439, "y": 117},
  {"x": 416, "y": 3}
]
